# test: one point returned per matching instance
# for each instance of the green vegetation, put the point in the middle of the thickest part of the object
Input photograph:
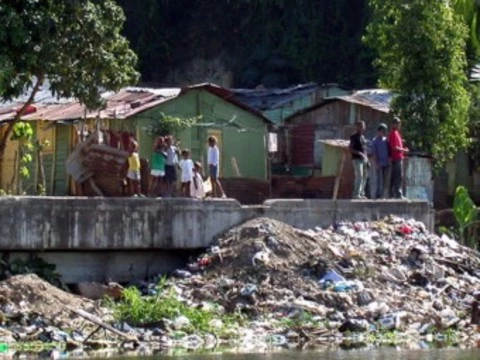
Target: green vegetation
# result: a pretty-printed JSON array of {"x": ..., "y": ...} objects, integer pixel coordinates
[
  {"x": 466, "y": 214},
  {"x": 23, "y": 133},
  {"x": 169, "y": 125},
  {"x": 138, "y": 310},
  {"x": 31, "y": 265},
  {"x": 74, "y": 45},
  {"x": 427, "y": 70}
]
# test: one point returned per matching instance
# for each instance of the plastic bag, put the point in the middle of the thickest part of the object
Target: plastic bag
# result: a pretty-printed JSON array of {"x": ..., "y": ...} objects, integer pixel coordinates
[{"x": 207, "y": 186}]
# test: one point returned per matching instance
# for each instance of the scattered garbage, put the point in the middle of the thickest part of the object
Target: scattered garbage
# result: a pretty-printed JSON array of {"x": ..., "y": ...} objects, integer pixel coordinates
[
  {"x": 386, "y": 275},
  {"x": 287, "y": 287}
]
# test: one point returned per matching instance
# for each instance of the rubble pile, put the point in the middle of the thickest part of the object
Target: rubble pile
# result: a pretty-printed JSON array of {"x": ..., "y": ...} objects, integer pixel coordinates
[
  {"x": 266, "y": 284},
  {"x": 365, "y": 277},
  {"x": 35, "y": 312}
]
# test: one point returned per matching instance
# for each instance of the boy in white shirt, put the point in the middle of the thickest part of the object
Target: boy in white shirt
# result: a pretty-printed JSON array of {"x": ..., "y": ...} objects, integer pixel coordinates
[
  {"x": 214, "y": 166},
  {"x": 186, "y": 165},
  {"x": 196, "y": 186}
]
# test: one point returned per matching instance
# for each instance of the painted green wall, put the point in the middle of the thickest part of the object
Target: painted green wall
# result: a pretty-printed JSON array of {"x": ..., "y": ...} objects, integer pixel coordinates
[
  {"x": 243, "y": 133},
  {"x": 279, "y": 114},
  {"x": 59, "y": 156},
  {"x": 62, "y": 150},
  {"x": 331, "y": 158}
]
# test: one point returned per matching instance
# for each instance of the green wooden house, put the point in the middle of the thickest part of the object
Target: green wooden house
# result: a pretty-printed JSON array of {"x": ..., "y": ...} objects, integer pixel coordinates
[{"x": 241, "y": 131}]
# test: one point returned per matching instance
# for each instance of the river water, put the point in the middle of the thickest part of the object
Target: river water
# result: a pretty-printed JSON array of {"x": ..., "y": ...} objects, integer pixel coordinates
[{"x": 380, "y": 354}]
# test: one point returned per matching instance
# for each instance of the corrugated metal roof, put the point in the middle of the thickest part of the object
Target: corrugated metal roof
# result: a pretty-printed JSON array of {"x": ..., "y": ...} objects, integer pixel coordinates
[
  {"x": 378, "y": 99},
  {"x": 122, "y": 105},
  {"x": 268, "y": 99}
]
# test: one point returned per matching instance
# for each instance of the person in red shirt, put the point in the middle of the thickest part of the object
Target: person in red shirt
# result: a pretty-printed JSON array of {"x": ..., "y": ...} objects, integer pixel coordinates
[{"x": 397, "y": 154}]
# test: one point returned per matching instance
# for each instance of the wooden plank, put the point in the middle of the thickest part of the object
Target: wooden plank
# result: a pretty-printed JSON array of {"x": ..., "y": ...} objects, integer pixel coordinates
[
  {"x": 99, "y": 322},
  {"x": 339, "y": 176},
  {"x": 95, "y": 187},
  {"x": 235, "y": 168}
]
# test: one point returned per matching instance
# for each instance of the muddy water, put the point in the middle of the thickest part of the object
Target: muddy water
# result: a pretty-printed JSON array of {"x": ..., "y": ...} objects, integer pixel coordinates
[{"x": 380, "y": 354}]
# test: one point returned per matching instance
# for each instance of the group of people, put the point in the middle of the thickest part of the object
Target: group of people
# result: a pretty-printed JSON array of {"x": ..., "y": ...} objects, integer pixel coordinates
[
  {"x": 165, "y": 165},
  {"x": 385, "y": 153}
]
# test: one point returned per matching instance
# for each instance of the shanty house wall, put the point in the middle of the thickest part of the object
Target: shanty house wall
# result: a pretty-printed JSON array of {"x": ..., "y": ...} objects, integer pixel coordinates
[
  {"x": 334, "y": 120},
  {"x": 62, "y": 150},
  {"x": 8, "y": 162},
  {"x": 54, "y": 159},
  {"x": 241, "y": 134}
]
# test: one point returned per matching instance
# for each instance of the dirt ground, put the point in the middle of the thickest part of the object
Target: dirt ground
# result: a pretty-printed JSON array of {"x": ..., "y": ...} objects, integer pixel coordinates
[{"x": 29, "y": 294}]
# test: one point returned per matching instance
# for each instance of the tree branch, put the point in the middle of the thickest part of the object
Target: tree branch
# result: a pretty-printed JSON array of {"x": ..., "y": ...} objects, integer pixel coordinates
[{"x": 11, "y": 124}]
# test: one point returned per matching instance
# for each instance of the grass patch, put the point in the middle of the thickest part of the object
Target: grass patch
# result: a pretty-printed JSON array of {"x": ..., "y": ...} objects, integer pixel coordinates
[{"x": 144, "y": 311}]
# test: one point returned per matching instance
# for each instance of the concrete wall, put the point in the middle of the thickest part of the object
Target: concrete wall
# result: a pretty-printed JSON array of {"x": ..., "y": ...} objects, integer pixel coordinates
[{"x": 116, "y": 224}]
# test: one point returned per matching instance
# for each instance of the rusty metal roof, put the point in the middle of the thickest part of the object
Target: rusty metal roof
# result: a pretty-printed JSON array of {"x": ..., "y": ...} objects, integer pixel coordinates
[
  {"x": 121, "y": 105},
  {"x": 378, "y": 99}
]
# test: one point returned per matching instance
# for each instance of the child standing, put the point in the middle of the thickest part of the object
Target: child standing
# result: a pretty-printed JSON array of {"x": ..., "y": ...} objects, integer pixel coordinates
[
  {"x": 133, "y": 174},
  {"x": 214, "y": 166},
  {"x": 196, "y": 186},
  {"x": 157, "y": 173},
  {"x": 186, "y": 165},
  {"x": 170, "y": 165}
]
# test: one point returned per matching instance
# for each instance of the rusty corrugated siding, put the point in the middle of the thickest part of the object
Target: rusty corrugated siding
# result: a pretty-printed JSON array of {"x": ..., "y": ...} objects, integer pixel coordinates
[{"x": 302, "y": 144}]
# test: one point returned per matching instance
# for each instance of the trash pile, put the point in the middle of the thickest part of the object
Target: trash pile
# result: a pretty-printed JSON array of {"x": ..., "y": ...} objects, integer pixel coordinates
[
  {"x": 320, "y": 285},
  {"x": 34, "y": 312},
  {"x": 271, "y": 285}
]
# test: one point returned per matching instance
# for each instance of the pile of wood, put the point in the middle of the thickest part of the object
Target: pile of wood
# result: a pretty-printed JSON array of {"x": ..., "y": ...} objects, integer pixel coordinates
[{"x": 100, "y": 170}]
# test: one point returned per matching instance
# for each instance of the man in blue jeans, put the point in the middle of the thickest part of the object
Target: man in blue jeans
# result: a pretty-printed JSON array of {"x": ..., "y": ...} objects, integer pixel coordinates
[
  {"x": 358, "y": 150},
  {"x": 381, "y": 159}
]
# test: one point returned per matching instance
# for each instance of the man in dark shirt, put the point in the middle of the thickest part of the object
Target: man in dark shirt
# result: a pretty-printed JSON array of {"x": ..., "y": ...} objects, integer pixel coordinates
[
  {"x": 381, "y": 160},
  {"x": 360, "y": 160}
]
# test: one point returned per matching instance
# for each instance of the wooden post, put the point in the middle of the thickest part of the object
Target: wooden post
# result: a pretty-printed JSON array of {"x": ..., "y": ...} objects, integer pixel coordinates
[{"x": 339, "y": 175}]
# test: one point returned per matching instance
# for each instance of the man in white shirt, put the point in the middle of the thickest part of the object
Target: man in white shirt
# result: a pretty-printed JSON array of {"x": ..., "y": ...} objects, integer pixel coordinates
[{"x": 214, "y": 166}]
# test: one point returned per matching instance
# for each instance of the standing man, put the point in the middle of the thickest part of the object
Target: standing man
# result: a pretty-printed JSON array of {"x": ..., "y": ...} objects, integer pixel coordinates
[
  {"x": 360, "y": 160},
  {"x": 397, "y": 154},
  {"x": 381, "y": 160}
]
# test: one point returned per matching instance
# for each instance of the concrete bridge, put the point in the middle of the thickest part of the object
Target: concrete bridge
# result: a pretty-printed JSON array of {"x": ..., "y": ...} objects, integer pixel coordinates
[{"x": 130, "y": 238}]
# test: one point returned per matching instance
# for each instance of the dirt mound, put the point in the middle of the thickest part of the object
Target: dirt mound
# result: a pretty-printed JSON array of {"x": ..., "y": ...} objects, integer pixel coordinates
[
  {"x": 30, "y": 294},
  {"x": 266, "y": 242}
]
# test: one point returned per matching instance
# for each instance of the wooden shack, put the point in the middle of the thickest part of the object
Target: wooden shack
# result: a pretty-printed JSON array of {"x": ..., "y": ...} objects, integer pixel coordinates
[{"x": 332, "y": 119}]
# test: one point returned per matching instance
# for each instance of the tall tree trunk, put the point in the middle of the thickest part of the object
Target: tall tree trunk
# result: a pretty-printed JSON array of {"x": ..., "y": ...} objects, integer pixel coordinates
[{"x": 41, "y": 184}]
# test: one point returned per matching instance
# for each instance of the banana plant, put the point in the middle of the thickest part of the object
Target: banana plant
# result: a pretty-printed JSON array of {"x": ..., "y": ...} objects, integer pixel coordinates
[{"x": 466, "y": 214}]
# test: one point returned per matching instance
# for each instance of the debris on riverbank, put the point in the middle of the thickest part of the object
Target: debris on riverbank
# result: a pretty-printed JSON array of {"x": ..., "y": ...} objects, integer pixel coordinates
[
  {"x": 33, "y": 312},
  {"x": 371, "y": 278},
  {"x": 265, "y": 283}
]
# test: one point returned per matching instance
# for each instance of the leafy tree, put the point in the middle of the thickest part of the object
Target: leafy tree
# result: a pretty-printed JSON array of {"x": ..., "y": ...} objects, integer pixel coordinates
[
  {"x": 421, "y": 56},
  {"x": 23, "y": 133},
  {"x": 74, "y": 44},
  {"x": 169, "y": 125},
  {"x": 469, "y": 10}
]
